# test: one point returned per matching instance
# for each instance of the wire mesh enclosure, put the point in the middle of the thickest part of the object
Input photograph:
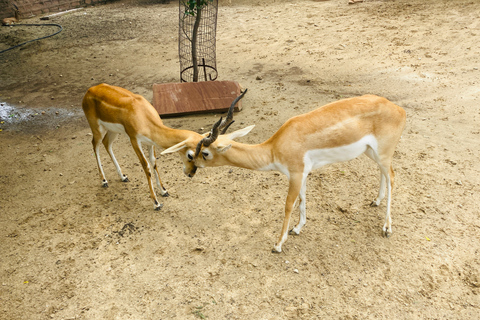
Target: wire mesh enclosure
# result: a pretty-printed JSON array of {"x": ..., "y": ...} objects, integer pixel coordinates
[{"x": 196, "y": 40}]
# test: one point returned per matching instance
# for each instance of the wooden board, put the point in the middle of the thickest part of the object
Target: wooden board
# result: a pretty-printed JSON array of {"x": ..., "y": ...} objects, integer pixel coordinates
[{"x": 173, "y": 99}]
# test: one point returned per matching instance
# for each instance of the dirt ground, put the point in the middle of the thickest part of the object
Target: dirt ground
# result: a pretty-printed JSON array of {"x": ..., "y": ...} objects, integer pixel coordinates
[{"x": 71, "y": 249}]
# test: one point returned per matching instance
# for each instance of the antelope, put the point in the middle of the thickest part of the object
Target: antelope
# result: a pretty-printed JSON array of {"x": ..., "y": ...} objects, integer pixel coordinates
[
  {"x": 12, "y": 20},
  {"x": 113, "y": 110},
  {"x": 336, "y": 132}
]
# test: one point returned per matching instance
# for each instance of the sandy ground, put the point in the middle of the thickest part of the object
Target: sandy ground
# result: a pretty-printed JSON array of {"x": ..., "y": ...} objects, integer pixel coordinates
[{"x": 71, "y": 249}]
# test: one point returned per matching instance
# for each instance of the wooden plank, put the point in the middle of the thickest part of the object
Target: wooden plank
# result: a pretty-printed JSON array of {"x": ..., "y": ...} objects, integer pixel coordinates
[{"x": 173, "y": 99}]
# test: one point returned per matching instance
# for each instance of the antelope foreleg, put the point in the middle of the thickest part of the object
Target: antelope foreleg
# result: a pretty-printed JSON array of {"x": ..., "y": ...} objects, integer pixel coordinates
[
  {"x": 153, "y": 163},
  {"x": 148, "y": 172}
]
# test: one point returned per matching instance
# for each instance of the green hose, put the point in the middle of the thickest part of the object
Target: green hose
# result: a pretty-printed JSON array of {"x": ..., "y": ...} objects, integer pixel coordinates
[{"x": 43, "y": 24}]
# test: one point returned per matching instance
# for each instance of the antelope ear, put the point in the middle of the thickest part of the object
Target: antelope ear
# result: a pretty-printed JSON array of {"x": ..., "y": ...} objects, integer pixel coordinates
[
  {"x": 222, "y": 149},
  {"x": 240, "y": 133},
  {"x": 175, "y": 148}
]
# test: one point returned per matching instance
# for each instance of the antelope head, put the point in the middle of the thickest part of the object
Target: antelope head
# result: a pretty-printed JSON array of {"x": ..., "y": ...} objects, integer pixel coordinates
[
  {"x": 201, "y": 151},
  {"x": 211, "y": 149}
]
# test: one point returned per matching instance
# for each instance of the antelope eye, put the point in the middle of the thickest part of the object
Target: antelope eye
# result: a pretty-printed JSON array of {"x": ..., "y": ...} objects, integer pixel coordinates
[
  {"x": 205, "y": 155},
  {"x": 189, "y": 156}
]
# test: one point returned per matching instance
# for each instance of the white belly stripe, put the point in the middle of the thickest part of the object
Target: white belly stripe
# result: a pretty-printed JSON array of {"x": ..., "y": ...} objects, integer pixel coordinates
[{"x": 314, "y": 159}]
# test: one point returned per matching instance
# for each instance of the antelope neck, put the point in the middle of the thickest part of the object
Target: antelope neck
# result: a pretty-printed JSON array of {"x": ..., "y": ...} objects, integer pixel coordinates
[
  {"x": 253, "y": 157},
  {"x": 166, "y": 137}
]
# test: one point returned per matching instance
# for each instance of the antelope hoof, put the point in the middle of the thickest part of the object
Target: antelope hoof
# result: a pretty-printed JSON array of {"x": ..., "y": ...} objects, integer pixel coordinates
[
  {"x": 157, "y": 206},
  {"x": 166, "y": 194},
  {"x": 125, "y": 179},
  {"x": 105, "y": 184},
  {"x": 276, "y": 249},
  {"x": 294, "y": 232},
  {"x": 374, "y": 204},
  {"x": 387, "y": 232}
]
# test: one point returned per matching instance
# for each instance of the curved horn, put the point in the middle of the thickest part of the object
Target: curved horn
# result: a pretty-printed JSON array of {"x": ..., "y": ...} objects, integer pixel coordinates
[
  {"x": 229, "y": 119},
  {"x": 210, "y": 138},
  {"x": 220, "y": 124}
]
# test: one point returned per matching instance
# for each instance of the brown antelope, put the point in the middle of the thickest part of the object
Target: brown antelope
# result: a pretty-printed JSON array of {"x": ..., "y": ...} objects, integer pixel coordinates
[
  {"x": 112, "y": 110},
  {"x": 336, "y": 132},
  {"x": 12, "y": 20}
]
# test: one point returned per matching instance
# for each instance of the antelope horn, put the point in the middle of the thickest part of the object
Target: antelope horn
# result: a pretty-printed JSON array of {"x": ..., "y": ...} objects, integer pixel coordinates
[
  {"x": 208, "y": 140},
  {"x": 220, "y": 124},
  {"x": 229, "y": 119}
]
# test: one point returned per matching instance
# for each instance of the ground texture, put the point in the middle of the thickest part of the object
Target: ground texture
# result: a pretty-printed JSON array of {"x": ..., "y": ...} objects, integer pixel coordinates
[{"x": 71, "y": 249}]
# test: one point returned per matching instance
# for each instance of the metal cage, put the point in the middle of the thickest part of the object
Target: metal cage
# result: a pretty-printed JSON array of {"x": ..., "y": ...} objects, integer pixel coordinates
[{"x": 202, "y": 45}]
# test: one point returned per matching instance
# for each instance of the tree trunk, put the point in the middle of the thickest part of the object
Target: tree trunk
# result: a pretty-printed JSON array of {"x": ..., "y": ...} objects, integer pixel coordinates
[{"x": 194, "y": 44}]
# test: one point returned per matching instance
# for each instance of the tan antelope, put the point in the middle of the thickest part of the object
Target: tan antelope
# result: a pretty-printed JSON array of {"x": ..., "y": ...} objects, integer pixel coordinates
[
  {"x": 112, "y": 110},
  {"x": 336, "y": 132},
  {"x": 12, "y": 20}
]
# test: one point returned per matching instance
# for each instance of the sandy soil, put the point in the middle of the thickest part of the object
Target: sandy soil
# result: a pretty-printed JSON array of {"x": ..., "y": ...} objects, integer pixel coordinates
[{"x": 73, "y": 250}]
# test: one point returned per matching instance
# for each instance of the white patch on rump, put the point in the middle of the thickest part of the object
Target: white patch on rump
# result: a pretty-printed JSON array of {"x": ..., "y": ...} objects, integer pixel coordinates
[{"x": 317, "y": 158}]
